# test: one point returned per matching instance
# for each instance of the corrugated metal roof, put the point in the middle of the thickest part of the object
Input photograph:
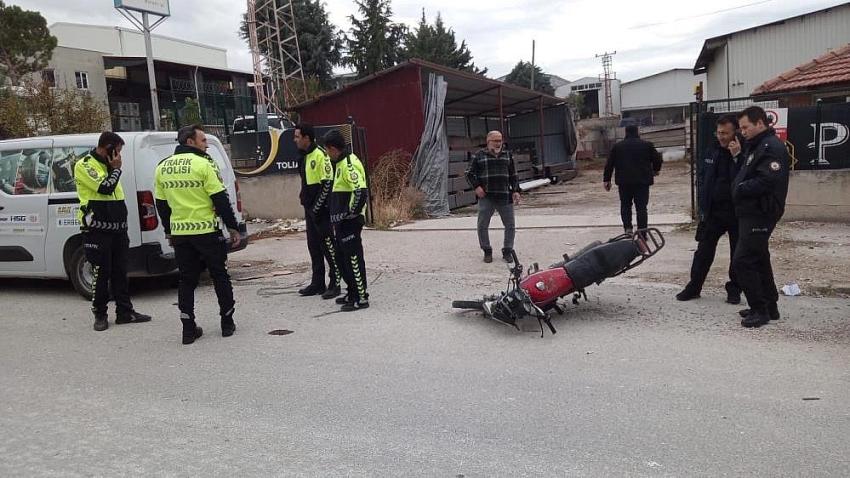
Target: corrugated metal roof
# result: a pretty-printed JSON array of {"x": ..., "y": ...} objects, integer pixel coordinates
[
  {"x": 468, "y": 94},
  {"x": 830, "y": 69},
  {"x": 712, "y": 44}
]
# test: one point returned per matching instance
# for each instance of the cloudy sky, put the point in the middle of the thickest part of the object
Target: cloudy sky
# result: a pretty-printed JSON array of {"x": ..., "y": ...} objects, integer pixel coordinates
[{"x": 649, "y": 36}]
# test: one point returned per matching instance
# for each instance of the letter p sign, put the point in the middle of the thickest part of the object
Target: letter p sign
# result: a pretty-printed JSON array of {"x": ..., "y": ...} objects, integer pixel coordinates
[{"x": 831, "y": 136}]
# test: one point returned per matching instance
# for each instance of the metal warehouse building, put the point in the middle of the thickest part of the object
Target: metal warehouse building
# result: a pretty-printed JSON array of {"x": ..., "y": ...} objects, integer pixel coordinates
[
  {"x": 392, "y": 106},
  {"x": 737, "y": 63}
]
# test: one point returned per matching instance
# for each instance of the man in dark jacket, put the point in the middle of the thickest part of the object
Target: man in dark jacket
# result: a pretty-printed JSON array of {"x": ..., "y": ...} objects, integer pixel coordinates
[
  {"x": 317, "y": 176},
  {"x": 103, "y": 215},
  {"x": 758, "y": 192},
  {"x": 492, "y": 174},
  {"x": 716, "y": 212},
  {"x": 634, "y": 162}
]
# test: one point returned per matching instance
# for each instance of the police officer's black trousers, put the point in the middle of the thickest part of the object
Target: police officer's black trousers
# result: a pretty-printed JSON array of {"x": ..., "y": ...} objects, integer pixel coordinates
[
  {"x": 320, "y": 243},
  {"x": 190, "y": 252},
  {"x": 350, "y": 257},
  {"x": 709, "y": 233},
  {"x": 107, "y": 253},
  {"x": 637, "y": 194},
  {"x": 752, "y": 262}
]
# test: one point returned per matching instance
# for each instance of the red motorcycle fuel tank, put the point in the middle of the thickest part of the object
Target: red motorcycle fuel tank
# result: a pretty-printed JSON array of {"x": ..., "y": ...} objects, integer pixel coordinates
[{"x": 547, "y": 286}]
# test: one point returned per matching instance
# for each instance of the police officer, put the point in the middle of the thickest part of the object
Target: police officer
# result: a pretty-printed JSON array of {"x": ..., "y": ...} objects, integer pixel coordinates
[
  {"x": 316, "y": 184},
  {"x": 348, "y": 215},
  {"x": 717, "y": 214},
  {"x": 189, "y": 195},
  {"x": 758, "y": 192},
  {"x": 103, "y": 218}
]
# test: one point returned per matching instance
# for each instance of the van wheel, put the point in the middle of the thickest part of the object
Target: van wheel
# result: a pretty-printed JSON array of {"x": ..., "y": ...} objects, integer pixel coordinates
[{"x": 81, "y": 273}]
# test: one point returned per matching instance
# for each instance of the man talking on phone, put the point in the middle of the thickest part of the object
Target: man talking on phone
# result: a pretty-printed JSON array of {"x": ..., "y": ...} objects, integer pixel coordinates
[
  {"x": 103, "y": 218},
  {"x": 716, "y": 211}
]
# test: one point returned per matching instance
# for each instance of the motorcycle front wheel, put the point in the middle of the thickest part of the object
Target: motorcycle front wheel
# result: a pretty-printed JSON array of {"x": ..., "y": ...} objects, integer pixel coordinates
[{"x": 468, "y": 304}]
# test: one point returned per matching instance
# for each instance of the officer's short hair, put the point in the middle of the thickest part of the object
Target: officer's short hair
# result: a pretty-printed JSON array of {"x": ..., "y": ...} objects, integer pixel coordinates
[
  {"x": 728, "y": 119},
  {"x": 336, "y": 139},
  {"x": 632, "y": 130},
  {"x": 306, "y": 129},
  {"x": 108, "y": 138},
  {"x": 188, "y": 132},
  {"x": 755, "y": 114}
]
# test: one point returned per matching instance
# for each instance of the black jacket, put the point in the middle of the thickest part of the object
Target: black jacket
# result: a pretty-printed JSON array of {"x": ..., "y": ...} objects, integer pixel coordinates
[
  {"x": 714, "y": 183},
  {"x": 635, "y": 161},
  {"x": 761, "y": 186}
]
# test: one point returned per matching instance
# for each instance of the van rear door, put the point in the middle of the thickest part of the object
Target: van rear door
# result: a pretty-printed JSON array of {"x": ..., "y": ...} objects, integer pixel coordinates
[{"x": 24, "y": 183}]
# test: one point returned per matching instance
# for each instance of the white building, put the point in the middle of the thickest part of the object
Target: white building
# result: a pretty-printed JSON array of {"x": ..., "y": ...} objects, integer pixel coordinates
[
  {"x": 592, "y": 89},
  {"x": 109, "y": 63},
  {"x": 736, "y": 63},
  {"x": 125, "y": 42},
  {"x": 662, "y": 98}
]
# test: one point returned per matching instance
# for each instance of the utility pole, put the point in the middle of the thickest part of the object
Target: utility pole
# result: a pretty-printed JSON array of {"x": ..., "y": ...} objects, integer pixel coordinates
[
  {"x": 160, "y": 8},
  {"x": 606, "y": 78},
  {"x": 532, "y": 64}
]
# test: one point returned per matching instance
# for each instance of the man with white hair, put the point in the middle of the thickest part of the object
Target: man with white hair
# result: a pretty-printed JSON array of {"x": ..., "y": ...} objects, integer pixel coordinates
[{"x": 493, "y": 176}]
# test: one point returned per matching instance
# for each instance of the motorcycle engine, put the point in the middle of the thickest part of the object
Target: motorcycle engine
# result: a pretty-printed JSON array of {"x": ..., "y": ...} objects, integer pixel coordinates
[{"x": 509, "y": 308}]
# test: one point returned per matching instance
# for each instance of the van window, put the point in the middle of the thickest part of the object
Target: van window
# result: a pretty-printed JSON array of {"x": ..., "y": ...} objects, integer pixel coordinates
[
  {"x": 9, "y": 170},
  {"x": 62, "y": 167},
  {"x": 25, "y": 171}
]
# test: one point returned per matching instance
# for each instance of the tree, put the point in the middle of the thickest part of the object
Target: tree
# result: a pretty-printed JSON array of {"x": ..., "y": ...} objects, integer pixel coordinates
[
  {"x": 35, "y": 108},
  {"x": 319, "y": 42},
  {"x": 437, "y": 44},
  {"x": 26, "y": 44},
  {"x": 375, "y": 43},
  {"x": 576, "y": 103},
  {"x": 521, "y": 76}
]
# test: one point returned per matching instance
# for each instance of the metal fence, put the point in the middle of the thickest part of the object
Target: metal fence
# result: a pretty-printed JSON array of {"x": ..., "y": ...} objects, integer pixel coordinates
[
  {"x": 211, "y": 105},
  {"x": 817, "y": 136}
]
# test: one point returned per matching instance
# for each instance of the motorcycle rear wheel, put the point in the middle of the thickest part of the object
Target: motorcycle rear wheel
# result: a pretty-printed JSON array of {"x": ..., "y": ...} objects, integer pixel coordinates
[{"x": 468, "y": 304}]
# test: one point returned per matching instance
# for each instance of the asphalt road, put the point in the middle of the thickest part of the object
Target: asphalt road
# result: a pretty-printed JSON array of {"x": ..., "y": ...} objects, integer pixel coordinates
[{"x": 633, "y": 384}]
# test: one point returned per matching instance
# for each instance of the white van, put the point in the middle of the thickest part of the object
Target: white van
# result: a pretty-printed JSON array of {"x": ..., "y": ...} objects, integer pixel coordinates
[{"x": 39, "y": 232}]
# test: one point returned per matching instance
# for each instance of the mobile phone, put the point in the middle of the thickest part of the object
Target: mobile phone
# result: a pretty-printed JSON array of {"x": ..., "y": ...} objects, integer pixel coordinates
[{"x": 110, "y": 152}]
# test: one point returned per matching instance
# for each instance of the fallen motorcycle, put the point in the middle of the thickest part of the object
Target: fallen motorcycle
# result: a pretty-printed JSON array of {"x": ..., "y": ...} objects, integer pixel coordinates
[{"x": 537, "y": 294}]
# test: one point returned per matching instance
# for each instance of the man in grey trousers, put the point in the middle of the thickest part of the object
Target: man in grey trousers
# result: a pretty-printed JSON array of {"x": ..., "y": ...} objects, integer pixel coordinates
[{"x": 493, "y": 176}]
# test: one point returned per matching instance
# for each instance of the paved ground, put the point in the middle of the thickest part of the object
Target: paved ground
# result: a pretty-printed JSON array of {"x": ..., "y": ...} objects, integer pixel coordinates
[{"x": 633, "y": 384}]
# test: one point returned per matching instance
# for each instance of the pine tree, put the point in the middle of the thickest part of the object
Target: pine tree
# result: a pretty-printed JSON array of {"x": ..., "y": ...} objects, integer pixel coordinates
[
  {"x": 521, "y": 76},
  {"x": 437, "y": 44},
  {"x": 375, "y": 42},
  {"x": 26, "y": 44}
]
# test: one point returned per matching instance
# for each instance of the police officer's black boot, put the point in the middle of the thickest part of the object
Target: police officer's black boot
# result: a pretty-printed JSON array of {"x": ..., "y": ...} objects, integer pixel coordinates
[
  {"x": 772, "y": 311},
  {"x": 356, "y": 304},
  {"x": 311, "y": 290},
  {"x": 333, "y": 291},
  {"x": 687, "y": 294},
  {"x": 101, "y": 322},
  {"x": 191, "y": 331},
  {"x": 343, "y": 300},
  {"x": 507, "y": 256},
  {"x": 131, "y": 317},
  {"x": 756, "y": 318},
  {"x": 733, "y": 295},
  {"x": 228, "y": 326}
]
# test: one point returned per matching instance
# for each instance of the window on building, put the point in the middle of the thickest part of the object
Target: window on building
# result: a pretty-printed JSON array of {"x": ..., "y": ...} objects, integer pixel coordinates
[
  {"x": 82, "y": 78},
  {"x": 49, "y": 77}
]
